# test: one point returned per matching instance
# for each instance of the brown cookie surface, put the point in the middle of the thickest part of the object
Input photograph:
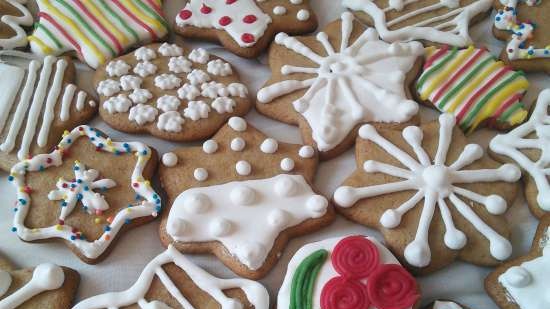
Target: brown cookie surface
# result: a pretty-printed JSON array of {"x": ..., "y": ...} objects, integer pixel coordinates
[{"x": 14, "y": 15}]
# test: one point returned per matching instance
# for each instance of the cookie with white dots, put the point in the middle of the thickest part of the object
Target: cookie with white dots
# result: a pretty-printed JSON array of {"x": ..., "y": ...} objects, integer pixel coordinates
[
  {"x": 170, "y": 92},
  {"x": 241, "y": 196}
]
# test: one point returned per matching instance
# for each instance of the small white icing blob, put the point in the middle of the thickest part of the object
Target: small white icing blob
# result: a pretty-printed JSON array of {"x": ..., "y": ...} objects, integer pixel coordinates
[
  {"x": 200, "y": 174},
  {"x": 303, "y": 15},
  {"x": 5, "y": 282},
  {"x": 238, "y": 144},
  {"x": 237, "y": 123},
  {"x": 306, "y": 152},
  {"x": 279, "y": 10},
  {"x": 242, "y": 196},
  {"x": 446, "y": 305},
  {"x": 278, "y": 218},
  {"x": 197, "y": 203},
  {"x": 317, "y": 204},
  {"x": 296, "y": 2},
  {"x": 177, "y": 227},
  {"x": 287, "y": 164},
  {"x": 220, "y": 227},
  {"x": 169, "y": 159},
  {"x": 517, "y": 276},
  {"x": 210, "y": 146},
  {"x": 285, "y": 187},
  {"x": 48, "y": 277},
  {"x": 269, "y": 145},
  {"x": 243, "y": 168}
]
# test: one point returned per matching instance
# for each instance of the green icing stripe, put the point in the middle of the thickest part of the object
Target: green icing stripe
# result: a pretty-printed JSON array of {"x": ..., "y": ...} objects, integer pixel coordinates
[
  {"x": 436, "y": 68},
  {"x": 49, "y": 34},
  {"x": 119, "y": 19},
  {"x": 152, "y": 13},
  {"x": 301, "y": 291},
  {"x": 510, "y": 111}
]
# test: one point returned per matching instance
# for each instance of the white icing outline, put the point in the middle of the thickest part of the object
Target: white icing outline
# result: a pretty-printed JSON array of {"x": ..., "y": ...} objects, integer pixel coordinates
[{"x": 15, "y": 23}]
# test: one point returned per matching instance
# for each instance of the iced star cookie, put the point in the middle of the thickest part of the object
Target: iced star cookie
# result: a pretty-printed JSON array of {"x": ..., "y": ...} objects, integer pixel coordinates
[
  {"x": 433, "y": 196},
  {"x": 44, "y": 286},
  {"x": 347, "y": 272},
  {"x": 241, "y": 196},
  {"x": 244, "y": 27},
  {"x": 171, "y": 280},
  {"x": 332, "y": 83},
  {"x": 529, "y": 146},
  {"x": 38, "y": 102},
  {"x": 444, "y": 304},
  {"x": 96, "y": 31},
  {"x": 522, "y": 283},
  {"x": 432, "y": 22},
  {"x": 523, "y": 25},
  {"x": 14, "y": 15},
  {"x": 170, "y": 92},
  {"x": 472, "y": 85},
  {"x": 85, "y": 192}
]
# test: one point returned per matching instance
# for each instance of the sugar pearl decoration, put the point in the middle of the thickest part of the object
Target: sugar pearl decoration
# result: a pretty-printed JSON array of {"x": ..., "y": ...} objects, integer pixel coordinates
[
  {"x": 279, "y": 10},
  {"x": 169, "y": 159},
  {"x": 220, "y": 227},
  {"x": 197, "y": 203},
  {"x": 242, "y": 195},
  {"x": 269, "y": 145},
  {"x": 243, "y": 168},
  {"x": 302, "y": 15},
  {"x": 287, "y": 164},
  {"x": 237, "y": 144},
  {"x": 277, "y": 218},
  {"x": 285, "y": 187},
  {"x": 306, "y": 152},
  {"x": 296, "y": 2},
  {"x": 317, "y": 204},
  {"x": 200, "y": 174},
  {"x": 237, "y": 123},
  {"x": 210, "y": 146}
]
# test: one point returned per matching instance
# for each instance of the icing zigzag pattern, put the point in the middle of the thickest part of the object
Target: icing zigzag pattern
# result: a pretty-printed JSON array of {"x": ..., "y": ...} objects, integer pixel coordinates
[{"x": 19, "y": 39}]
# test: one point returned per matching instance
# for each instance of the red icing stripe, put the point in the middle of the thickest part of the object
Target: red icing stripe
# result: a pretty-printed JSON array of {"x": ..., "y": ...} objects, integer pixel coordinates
[
  {"x": 155, "y": 7},
  {"x": 135, "y": 19},
  {"x": 100, "y": 25},
  {"x": 436, "y": 56},
  {"x": 69, "y": 38},
  {"x": 513, "y": 99}
]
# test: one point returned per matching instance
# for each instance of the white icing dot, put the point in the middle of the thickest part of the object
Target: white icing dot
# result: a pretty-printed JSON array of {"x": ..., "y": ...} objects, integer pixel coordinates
[
  {"x": 238, "y": 144},
  {"x": 296, "y": 2},
  {"x": 279, "y": 10},
  {"x": 200, "y": 174},
  {"x": 5, "y": 282},
  {"x": 302, "y": 15},
  {"x": 285, "y": 186},
  {"x": 169, "y": 159},
  {"x": 317, "y": 204},
  {"x": 243, "y": 168},
  {"x": 287, "y": 164},
  {"x": 306, "y": 152},
  {"x": 210, "y": 146},
  {"x": 269, "y": 145},
  {"x": 51, "y": 275},
  {"x": 237, "y": 123},
  {"x": 220, "y": 227},
  {"x": 517, "y": 276},
  {"x": 242, "y": 195},
  {"x": 177, "y": 227},
  {"x": 277, "y": 218},
  {"x": 196, "y": 203}
]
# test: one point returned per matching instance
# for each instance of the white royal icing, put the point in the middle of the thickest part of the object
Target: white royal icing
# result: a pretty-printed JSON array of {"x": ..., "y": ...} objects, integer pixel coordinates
[
  {"x": 446, "y": 305},
  {"x": 303, "y": 15},
  {"x": 145, "y": 54},
  {"x": 170, "y": 122},
  {"x": 168, "y": 103},
  {"x": 167, "y": 81},
  {"x": 118, "y": 104},
  {"x": 117, "y": 68},
  {"x": 200, "y": 174},
  {"x": 210, "y": 146},
  {"x": 24, "y": 18},
  {"x": 130, "y": 82},
  {"x": 237, "y": 123},
  {"x": 213, "y": 89},
  {"x": 237, "y": 144},
  {"x": 188, "y": 92},
  {"x": 142, "y": 114},
  {"x": 196, "y": 110},
  {"x": 169, "y": 159},
  {"x": 306, "y": 152},
  {"x": 145, "y": 69},
  {"x": 108, "y": 87},
  {"x": 223, "y": 105},
  {"x": 179, "y": 65},
  {"x": 219, "y": 67},
  {"x": 269, "y": 145},
  {"x": 237, "y": 90},
  {"x": 140, "y": 96},
  {"x": 197, "y": 77},
  {"x": 170, "y": 50},
  {"x": 199, "y": 55},
  {"x": 279, "y": 10}
]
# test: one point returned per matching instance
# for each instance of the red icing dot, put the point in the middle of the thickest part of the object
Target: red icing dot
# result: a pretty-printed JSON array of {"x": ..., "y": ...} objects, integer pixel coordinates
[
  {"x": 249, "y": 19},
  {"x": 135, "y": 184},
  {"x": 27, "y": 190},
  {"x": 206, "y": 9},
  {"x": 247, "y": 38},
  {"x": 224, "y": 21},
  {"x": 355, "y": 257},
  {"x": 390, "y": 286},
  {"x": 74, "y": 230},
  {"x": 230, "y": 1},
  {"x": 185, "y": 14},
  {"x": 49, "y": 160},
  {"x": 341, "y": 293},
  {"x": 65, "y": 185},
  {"x": 61, "y": 222}
]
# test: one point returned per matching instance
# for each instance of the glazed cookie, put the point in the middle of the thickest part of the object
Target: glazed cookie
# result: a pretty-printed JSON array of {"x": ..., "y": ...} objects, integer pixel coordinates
[
  {"x": 109, "y": 181},
  {"x": 14, "y": 16},
  {"x": 244, "y": 27},
  {"x": 406, "y": 182},
  {"x": 347, "y": 272},
  {"x": 444, "y": 304},
  {"x": 332, "y": 83},
  {"x": 523, "y": 282},
  {"x": 96, "y": 31},
  {"x": 439, "y": 22},
  {"x": 529, "y": 146},
  {"x": 472, "y": 85},
  {"x": 38, "y": 102},
  {"x": 170, "y": 92},
  {"x": 522, "y": 23},
  {"x": 241, "y": 196},
  {"x": 45, "y": 286},
  {"x": 172, "y": 281}
]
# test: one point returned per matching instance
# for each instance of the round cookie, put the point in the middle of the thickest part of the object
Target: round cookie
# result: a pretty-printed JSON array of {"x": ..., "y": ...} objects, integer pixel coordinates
[{"x": 14, "y": 15}]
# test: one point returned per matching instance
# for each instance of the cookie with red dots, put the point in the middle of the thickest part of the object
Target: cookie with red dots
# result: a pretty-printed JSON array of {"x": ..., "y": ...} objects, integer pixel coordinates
[
  {"x": 245, "y": 27},
  {"x": 241, "y": 196},
  {"x": 86, "y": 192}
]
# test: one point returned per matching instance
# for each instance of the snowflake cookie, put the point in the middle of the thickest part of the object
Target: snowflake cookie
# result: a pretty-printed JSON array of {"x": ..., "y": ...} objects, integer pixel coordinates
[
  {"x": 171, "y": 280},
  {"x": 244, "y": 27},
  {"x": 347, "y": 272},
  {"x": 44, "y": 286},
  {"x": 434, "y": 197},
  {"x": 38, "y": 103},
  {"x": 108, "y": 180},
  {"x": 522, "y": 283},
  {"x": 331, "y": 84},
  {"x": 170, "y": 92},
  {"x": 439, "y": 22},
  {"x": 13, "y": 17},
  {"x": 529, "y": 146},
  {"x": 241, "y": 196},
  {"x": 96, "y": 31}
]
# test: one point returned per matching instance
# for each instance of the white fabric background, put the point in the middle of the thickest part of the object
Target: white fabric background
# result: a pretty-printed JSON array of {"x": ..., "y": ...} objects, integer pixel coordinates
[{"x": 459, "y": 281}]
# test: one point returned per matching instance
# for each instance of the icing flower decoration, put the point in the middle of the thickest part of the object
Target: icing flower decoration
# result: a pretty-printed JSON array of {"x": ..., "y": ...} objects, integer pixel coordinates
[{"x": 391, "y": 286}]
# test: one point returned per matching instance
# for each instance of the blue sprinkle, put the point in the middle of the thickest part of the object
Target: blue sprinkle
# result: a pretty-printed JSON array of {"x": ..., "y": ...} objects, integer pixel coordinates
[
  {"x": 22, "y": 201},
  {"x": 107, "y": 228},
  {"x": 144, "y": 152},
  {"x": 14, "y": 229},
  {"x": 10, "y": 178},
  {"x": 63, "y": 204},
  {"x": 73, "y": 237},
  {"x": 79, "y": 196},
  {"x": 127, "y": 221},
  {"x": 79, "y": 180},
  {"x": 158, "y": 208},
  {"x": 86, "y": 188},
  {"x": 15, "y": 209},
  {"x": 73, "y": 185}
]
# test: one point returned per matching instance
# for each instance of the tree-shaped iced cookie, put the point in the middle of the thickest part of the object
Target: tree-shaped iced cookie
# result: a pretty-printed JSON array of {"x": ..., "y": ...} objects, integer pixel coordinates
[
  {"x": 171, "y": 280},
  {"x": 434, "y": 197},
  {"x": 522, "y": 283},
  {"x": 529, "y": 146},
  {"x": 44, "y": 286},
  {"x": 86, "y": 192},
  {"x": 332, "y": 83},
  {"x": 241, "y": 196},
  {"x": 170, "y": 92},
  {"x": 245, "y": 27},
  {"x": 39, "y": 101},
  {"x": 13, "y": 17}
]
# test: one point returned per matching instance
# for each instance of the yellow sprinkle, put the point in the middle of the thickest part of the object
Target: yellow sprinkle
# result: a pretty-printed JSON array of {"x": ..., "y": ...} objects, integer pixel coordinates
[
  {"x": 109, "y": 142},
  {"x": 58, "y": 227},
  {"x": 97, "y": 220},
  {"x": 147, "y": 183}
]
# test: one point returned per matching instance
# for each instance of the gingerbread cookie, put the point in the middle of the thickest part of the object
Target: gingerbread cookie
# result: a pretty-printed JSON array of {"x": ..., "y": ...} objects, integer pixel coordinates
[
  {"x": 522, "y": 283},
  {"x": 522, "y": 23},
  {"x": 347, "y": 272},
  {"x": 108, "y": 181},
  {"x": 38, "y": 102},
  {"x": 241, "y": 196},
  {"x": 331, "y": 84},
  {"x": 244, "y": 27},
  {"x": 14, "y": 16},
  {"x": 529, "y": 146},
  {"x": 45, "y": 286},
  {"x": 172, "y": 281},
  {"x": 444, "y": 304},
  {"x": 472, "y": 85},
  {"x": 170, "y": 92},
  {"x": 439, "y": 22},
  {"x": 406, "y": 182},
  {"x": 96, "y": 31}
]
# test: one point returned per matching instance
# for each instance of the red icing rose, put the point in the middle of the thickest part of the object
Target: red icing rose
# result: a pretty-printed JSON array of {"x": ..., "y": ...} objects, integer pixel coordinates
[
  {"x": 344, "y": 293},
  {"x": 355, "y": 257},
  {"x": 390, "y": 286}
]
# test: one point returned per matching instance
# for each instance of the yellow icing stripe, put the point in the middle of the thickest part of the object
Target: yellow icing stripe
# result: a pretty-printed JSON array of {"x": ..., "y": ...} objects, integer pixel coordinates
[
  {"x": 442, "y": 77},
  {"x": 123, "y": 39},
  {"x": 45, "y": 48},
  {"x": 429, "y": 51},
  {"x": 144, "y": 17},
  {"x": 518, "y": 117}
]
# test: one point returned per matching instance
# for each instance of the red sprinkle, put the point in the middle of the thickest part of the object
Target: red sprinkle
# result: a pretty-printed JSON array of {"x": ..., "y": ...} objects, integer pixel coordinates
[
  {"x": 135, "y": 184},
  {"x": 250, "y": 19},
  {"x": 224, "y": 21},
  {"x": 61, "y": 222},
  {"x": 27, "y": 190},
  {"x": 98, "y": 212},
  {"x": 247, "y": 38},
  {"x": 65, "y": 185},
  {"x": 185, "y": 14},
  {"x": 49, "y": 160},
  {"x": 206, "y": 9},
  {"x": 230, "y": 1},
  {"x": 74, "y": 230}
]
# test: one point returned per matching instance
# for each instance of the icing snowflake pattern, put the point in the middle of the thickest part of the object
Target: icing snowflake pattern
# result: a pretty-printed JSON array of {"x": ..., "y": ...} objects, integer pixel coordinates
[
  {"x": 434, "y": 182},
  {"x": 347, "y": 88}
]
